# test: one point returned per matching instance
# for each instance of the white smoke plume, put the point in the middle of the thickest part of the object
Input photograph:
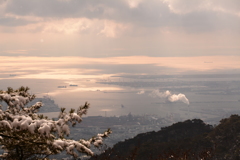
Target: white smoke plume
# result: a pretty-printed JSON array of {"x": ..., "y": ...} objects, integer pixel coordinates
[
  {"x": 169, "y": 96},
  {"x": 141, "y": 92}
]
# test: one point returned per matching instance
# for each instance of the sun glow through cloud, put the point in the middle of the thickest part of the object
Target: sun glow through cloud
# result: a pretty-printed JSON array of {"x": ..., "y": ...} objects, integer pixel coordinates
[{"x": 70, "y": 68}]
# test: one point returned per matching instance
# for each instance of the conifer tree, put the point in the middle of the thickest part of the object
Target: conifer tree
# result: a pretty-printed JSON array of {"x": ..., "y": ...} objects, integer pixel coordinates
[{"x": 24, "y": 134}]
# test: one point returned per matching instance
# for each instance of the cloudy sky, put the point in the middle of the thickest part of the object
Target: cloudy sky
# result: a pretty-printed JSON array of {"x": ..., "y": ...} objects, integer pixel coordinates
[
  {"x": 106, "y": 28},
  {"x": 43, "y": 37}
]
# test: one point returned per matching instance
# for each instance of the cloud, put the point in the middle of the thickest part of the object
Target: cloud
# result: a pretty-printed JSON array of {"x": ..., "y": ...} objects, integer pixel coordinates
[
  {"x": 13, "y": 22},
  {"x": 134, "y": 3},
  {"x": 178, "y": 97},
  {"x": 141, "y": 92},
  {"x": 112, "y": 29},
  {"x": 16, "y": 52},
  {"x": 196, "y": 16},
  {"x": 186, "y": 6},
  {"x": 168, "y": 96},
  {"x": 70, "y": 68},
  {"x": 62, "y": 9},
  {"x": 80, "y": 26}
]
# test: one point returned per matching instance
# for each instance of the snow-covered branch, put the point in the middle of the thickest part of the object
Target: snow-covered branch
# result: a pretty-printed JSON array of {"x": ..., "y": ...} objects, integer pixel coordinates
[{"x": 21, "y": 126}]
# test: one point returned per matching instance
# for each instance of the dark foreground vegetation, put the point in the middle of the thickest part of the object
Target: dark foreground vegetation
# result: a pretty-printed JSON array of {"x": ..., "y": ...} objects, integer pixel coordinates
[{"x": 188, "y": 140}]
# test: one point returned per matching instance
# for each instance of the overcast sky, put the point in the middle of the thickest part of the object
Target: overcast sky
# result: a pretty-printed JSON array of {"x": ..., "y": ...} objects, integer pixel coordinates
[
  {"x": 66, "y": 39},
  {"x": 113, "y": 28}
]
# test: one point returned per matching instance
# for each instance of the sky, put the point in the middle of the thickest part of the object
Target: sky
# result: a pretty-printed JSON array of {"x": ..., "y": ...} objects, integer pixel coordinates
[
  {"x": 86, "y": 39},
  {"x": 107, "y": 28},
  {"x": 70, "y": 41}
]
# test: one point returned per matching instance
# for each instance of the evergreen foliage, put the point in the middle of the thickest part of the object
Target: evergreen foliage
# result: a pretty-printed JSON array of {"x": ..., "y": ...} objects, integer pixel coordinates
[{"x": 24, "y": 134}]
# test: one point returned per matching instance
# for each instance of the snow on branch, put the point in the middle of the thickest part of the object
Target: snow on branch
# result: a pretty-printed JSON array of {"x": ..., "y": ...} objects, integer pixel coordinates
[{"x": 22, "y": 129}]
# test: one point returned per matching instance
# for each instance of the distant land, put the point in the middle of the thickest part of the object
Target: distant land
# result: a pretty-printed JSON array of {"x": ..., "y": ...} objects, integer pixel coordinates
[{"x": 49, "y": 104}]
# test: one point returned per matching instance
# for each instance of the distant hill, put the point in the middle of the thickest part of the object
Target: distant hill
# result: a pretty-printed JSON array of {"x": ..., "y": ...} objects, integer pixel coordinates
[
  {"x": 191, "y": 139},
  {"x": 49, "y": 104}
]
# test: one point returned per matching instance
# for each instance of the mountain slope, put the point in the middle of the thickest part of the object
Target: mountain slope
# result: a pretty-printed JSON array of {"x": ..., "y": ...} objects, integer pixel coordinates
[{"x": 191, "y": 139}]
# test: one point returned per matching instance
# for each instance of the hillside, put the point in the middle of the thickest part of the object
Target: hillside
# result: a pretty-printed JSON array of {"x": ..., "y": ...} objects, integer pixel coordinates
[{"x": 191, "y": 139}]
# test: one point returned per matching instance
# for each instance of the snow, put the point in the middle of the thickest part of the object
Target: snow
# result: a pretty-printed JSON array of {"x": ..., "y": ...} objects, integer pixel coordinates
[
  {"x": 65, "y": 129},
  {"x": 6, "y": 124},
  {"x": 32, "y": 127},
  {"x": 19, "y": 121},
  {"x": 45, "y": 129},
  {"x": 25, "y": 122},
  {"x": 97, "y": 142}
]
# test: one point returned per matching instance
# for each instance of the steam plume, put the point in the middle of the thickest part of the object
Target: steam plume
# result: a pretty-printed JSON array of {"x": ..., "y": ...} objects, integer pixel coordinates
[
  {"x": 141, "y": 92},
  {"x": 169, "y": 96}
]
